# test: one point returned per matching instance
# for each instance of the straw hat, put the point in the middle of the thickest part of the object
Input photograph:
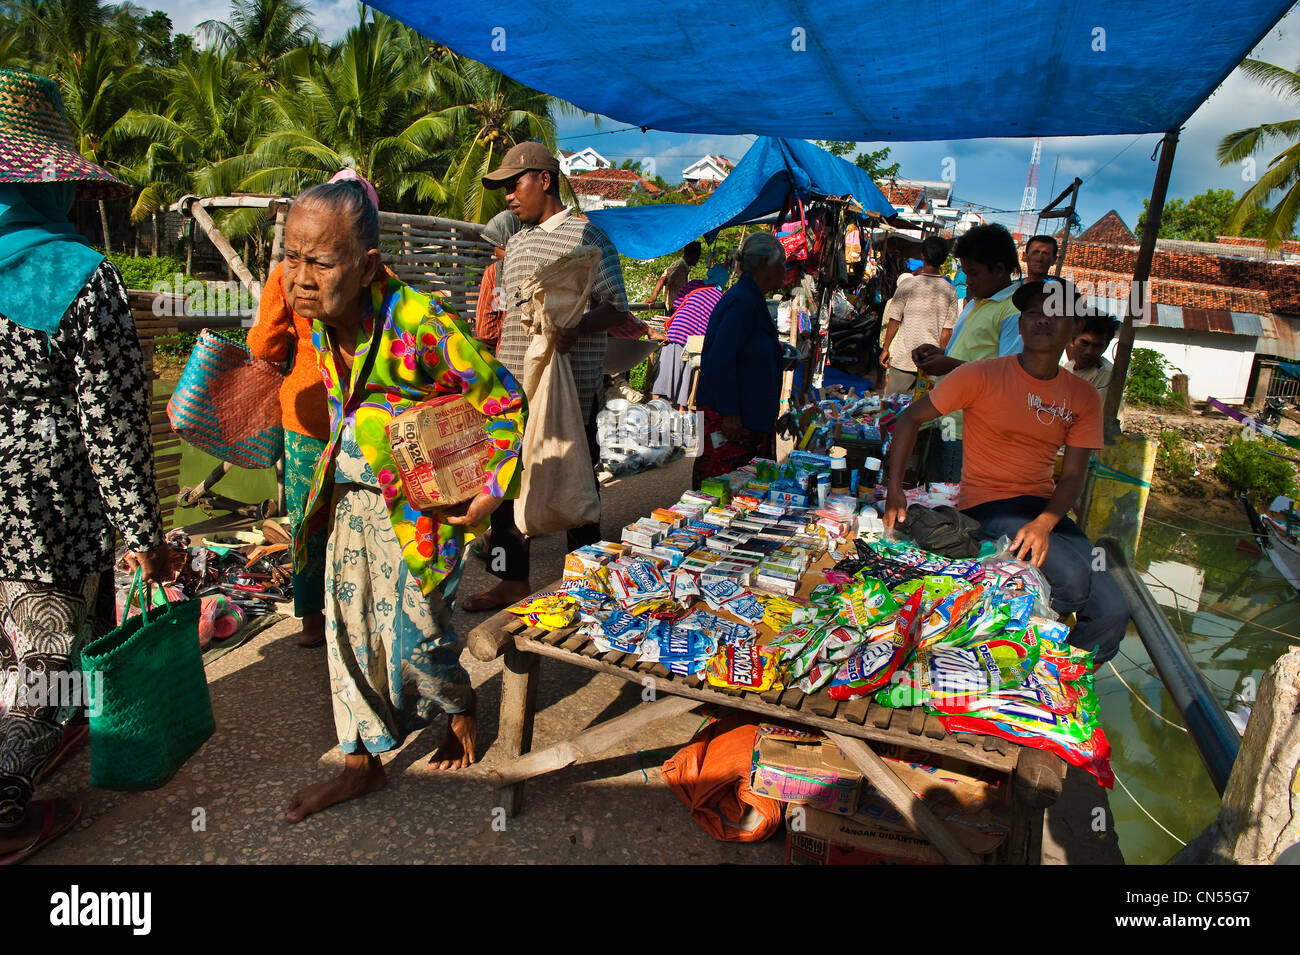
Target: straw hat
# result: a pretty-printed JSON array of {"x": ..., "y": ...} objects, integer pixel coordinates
[{"x": 36, "y": 142}]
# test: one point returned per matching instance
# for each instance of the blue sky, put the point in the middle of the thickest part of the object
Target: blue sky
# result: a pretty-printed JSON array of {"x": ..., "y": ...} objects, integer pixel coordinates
[{"x": 1117, "y": 170}]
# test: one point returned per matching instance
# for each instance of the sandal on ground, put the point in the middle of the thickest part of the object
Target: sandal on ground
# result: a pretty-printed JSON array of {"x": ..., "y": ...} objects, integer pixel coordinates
[
  {"x": 74, "y": 735},
  {"x": 484, "y": 603},
  {"x": 49, "y": 830}
]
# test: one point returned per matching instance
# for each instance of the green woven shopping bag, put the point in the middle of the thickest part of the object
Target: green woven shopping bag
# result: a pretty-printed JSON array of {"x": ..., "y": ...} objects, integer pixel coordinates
[{"x": 153, "y": 710}]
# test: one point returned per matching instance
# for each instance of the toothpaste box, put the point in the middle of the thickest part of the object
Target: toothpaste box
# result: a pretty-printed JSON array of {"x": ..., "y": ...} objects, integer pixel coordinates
[
  {"x": 665, "y": 516},
  {"x": 707, "y": 528},
  {"x": 700, "y": 498},
  {"x": 699, "y": 562},
  {"x": 776, "y": 581},
  {"x": 788, "y": 498},
  {"x": 585, "y": 559}
]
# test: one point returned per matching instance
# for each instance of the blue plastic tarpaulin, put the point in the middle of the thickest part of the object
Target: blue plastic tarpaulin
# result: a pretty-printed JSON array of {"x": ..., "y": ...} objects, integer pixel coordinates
[
  {"x": 956, "y": 69},
  {"x": 755, "y": 188}
]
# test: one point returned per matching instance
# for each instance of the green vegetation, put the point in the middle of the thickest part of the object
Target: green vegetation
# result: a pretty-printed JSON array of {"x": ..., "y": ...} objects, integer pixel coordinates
[
  {"x": 1247, "y": 467},
  {"x": 1202, "y": 218},
  {"x": 1279, "y": 174},
  {"x": 1148, "y": 381},
  {"x": 146, "y": 271},
  {"x": 265, "y": 106},
  {"x": 875, "y": 163},
  {"x": 639, "y": 378},
  {"x": 1172, "y": 456}
]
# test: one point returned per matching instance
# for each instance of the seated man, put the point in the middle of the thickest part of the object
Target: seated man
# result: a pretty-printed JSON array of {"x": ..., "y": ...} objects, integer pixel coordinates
[{"x": 1019, "y": 411}]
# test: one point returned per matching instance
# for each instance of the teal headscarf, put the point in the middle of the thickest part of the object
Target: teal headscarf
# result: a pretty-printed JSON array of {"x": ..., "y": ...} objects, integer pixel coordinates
[{"x": 44, "y": 263}]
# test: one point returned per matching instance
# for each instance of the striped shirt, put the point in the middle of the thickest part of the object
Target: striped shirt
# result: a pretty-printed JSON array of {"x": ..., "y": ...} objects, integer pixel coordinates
[
  {"x": 537, "y": 245},
  {"x": 692, "y": 315}
]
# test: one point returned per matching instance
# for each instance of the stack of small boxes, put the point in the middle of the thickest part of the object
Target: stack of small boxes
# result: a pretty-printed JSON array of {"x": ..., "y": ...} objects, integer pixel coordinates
[{"x": 762, "y": 546}]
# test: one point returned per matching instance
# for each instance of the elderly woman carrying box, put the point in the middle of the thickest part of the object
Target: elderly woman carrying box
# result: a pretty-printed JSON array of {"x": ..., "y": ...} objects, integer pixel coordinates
[{"x": 391, "y": 571}]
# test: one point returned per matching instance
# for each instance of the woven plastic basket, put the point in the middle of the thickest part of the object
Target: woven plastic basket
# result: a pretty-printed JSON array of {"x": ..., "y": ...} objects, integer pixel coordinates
[
  {"x": 154, "y": 711},
  {"x": 227, "y": 403}
]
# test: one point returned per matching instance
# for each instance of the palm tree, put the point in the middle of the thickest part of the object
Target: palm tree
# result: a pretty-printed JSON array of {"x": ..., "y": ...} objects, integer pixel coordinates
[
  {"x": 490, "y": 113},
  {"x": 262, "y": 33},
  {"x": 360, "y": 108},
  {"x": 213, "y": 110},
  {"x": 1283, "y": 170}
]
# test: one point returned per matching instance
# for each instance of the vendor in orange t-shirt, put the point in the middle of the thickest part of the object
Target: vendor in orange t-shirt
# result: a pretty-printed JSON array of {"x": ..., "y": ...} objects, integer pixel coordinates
[{"x": 1019, "y": 410}]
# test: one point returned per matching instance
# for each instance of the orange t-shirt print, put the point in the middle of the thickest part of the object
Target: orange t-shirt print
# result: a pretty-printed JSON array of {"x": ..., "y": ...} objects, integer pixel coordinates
[{"x": 1014, "y": 425}]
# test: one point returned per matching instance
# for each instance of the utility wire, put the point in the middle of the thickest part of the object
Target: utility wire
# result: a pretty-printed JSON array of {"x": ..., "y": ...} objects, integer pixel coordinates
[
  {"x": 1148, "y": 815},
  {"x": 1137, "y": 696}
]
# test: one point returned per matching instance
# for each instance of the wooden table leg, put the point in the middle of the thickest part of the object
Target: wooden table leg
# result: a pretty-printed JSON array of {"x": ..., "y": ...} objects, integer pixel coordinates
[{"x": 518, "y": 705}]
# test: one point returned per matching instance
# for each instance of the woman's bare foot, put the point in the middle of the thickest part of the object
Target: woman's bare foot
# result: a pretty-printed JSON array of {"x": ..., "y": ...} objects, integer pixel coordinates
[
  {"x": 362, "y": 774},
  {"x": 458, "y": 747},
  {"x": 313, "y": 630},
  {"x": 504, "y": 594}
]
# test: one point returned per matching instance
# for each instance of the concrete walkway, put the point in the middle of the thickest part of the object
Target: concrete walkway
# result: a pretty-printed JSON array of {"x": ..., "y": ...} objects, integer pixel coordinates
[{"x": 275, "y": 734}]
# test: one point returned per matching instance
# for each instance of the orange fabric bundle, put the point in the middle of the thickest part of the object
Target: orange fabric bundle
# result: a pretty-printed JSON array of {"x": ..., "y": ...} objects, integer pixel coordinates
[{"x": 711, "y": 776}]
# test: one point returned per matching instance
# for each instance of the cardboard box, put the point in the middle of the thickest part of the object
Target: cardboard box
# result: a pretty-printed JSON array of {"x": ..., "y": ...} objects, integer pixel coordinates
[
  {"x": 441, "y": 449},
  {"x": 814, "y": 837},
  {"x": 800, "y": 767}
]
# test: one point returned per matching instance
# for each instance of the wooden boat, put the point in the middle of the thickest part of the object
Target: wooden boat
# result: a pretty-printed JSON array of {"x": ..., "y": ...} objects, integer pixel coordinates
[{"x": 1281, "y": 546}]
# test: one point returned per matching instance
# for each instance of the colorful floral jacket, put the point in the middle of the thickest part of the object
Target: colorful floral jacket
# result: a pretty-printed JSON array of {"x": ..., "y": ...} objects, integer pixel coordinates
[{"x": 425, "y": 351}]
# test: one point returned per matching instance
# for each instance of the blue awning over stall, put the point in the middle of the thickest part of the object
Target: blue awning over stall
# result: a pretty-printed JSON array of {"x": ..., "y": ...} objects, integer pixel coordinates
[
  {"x": 755, "y": 188},
  {"x": 956, "y": 69}
]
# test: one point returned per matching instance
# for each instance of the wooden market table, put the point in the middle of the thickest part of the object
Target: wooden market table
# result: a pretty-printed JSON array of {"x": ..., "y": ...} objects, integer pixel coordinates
[{"x": 1035, "y": 776}]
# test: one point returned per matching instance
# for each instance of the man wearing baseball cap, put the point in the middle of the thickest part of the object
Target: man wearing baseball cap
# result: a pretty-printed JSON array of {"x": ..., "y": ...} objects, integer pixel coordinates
[
  {"x": 1019, "y": 411},
  {"x": 530, "y": 176}
]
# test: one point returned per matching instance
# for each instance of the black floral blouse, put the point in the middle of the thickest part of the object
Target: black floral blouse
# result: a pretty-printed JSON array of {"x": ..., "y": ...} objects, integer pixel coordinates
[{"x": 76, "y": 457}]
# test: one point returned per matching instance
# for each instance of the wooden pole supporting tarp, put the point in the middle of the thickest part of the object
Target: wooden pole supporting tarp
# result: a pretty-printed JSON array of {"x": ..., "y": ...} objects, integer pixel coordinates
[
  {"x": 194, "y": 208},
  {"x": 1139, "y": 293}
]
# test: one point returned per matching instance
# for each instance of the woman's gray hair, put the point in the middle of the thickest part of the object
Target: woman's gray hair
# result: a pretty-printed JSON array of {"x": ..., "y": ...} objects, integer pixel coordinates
[
  {"x": 757, "y": 251},
  {"x": 347, "y": 198}
]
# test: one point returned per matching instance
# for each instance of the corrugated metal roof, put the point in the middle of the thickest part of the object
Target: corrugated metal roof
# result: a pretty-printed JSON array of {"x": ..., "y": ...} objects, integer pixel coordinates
[
  {"x": 1281, "y": 337},
  {"x": 1202, "y": 319}
]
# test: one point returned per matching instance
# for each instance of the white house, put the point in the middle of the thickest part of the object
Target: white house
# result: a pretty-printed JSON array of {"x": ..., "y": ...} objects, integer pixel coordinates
[
  {"x": 584, "y": 160},
  {"x": 1216, "y": 307},
  {"x": 710, "y": 168}
]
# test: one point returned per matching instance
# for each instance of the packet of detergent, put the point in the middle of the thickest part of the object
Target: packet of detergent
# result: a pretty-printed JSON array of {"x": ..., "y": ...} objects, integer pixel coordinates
[
  {"x": 745, "y": 668},
  {"x": 945, "y": 621},
  {"x": 874, "y": 664},
  {"x": 549, "y": 612},
  {"x": 932, "y": 587},
  {"x": 671, "y": 646},
  {"x": 865, "y": 602},
  {"x": 719, "y": 591},
  {"x": 747, "y": 607}
]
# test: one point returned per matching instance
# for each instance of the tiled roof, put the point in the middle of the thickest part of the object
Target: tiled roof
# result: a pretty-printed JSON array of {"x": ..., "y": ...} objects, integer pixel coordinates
[
  {"x": 1188, "y": 278},
  {"x": 610, "y": 183},
  {"x": 1254, "y": 243},
  {"x": 1115, "y": 286},
  {"x": 1109, "y": 230},
  {"x": 898, "y": 194}
]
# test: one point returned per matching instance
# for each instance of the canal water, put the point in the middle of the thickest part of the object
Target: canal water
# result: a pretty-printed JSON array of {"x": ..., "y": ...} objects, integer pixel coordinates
[
  {"x": 1235, "y": 612},
  {"x": 1237, "y": 615}
]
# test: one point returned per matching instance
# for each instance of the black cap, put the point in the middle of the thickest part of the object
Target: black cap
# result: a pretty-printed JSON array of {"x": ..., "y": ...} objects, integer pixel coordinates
[{"x": 1056, "y": 290}]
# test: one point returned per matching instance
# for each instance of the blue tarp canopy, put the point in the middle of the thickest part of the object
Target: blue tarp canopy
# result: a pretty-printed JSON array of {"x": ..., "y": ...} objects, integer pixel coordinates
[
  {"x": 956, "y": 69},
  {"x": 755, "y": 188}
]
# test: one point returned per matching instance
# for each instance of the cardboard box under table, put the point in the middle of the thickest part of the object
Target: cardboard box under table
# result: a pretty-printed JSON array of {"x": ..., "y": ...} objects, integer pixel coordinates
[{"x": 1034, "y": 778}]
